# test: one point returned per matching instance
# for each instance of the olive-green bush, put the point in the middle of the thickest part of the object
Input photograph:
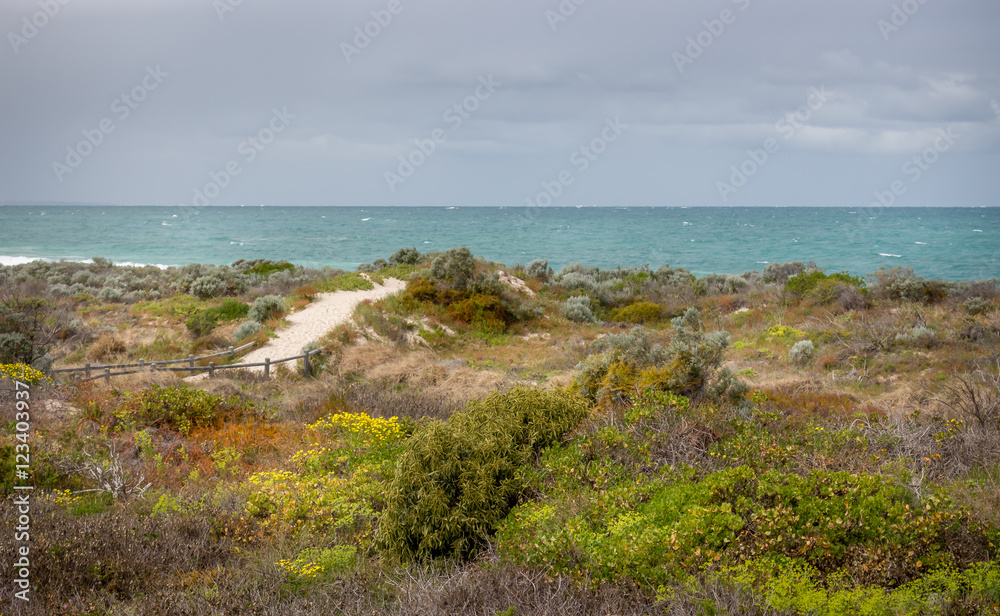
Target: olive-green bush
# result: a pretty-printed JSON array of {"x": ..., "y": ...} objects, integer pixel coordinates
[
  {"x": 202, "y": 323},
  {"x": 455, "y": 268},
  {"x": 457, "y": 480}
]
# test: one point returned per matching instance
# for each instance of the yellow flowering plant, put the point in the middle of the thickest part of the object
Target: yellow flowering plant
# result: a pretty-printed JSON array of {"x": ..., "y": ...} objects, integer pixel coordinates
[{"x": 23, "y": 373}]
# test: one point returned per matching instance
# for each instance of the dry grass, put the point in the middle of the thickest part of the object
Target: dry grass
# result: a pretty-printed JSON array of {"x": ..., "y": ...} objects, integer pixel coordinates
[
  {"x": 117, "y": 554},
  {"x": 476, "y": 590},
  {"x": 106, "y": 348},
  {"x": 420, "y": 369},
  {"x": 380, "y": 401}
]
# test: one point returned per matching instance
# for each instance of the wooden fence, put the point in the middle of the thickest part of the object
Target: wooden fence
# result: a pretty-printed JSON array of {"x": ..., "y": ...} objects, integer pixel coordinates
[{"x": 106, "y": 371}]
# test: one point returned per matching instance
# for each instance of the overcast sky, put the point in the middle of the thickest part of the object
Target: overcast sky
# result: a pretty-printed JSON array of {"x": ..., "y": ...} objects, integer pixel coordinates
[{"x": 483, "y": 102}]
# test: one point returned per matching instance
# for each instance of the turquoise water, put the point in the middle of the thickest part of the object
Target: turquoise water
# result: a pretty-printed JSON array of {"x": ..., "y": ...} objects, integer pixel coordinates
[{"x": 950, "y": 243}]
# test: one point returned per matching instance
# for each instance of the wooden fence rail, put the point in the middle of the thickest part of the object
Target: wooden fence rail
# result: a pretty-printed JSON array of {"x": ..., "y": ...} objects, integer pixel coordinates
[
  {"x": 211, "y": 367},
  {"x": 152, "y": 365}
]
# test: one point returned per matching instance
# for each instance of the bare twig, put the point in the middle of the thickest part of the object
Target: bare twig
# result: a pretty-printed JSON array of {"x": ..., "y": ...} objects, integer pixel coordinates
[{"x": 111, "y": 476}]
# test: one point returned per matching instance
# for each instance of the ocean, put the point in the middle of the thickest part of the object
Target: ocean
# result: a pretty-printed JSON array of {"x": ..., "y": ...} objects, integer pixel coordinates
[{"x": 949, "y": 243}]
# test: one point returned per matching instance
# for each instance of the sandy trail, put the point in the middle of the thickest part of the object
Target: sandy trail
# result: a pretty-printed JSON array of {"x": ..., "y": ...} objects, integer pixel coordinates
[{"x": 309, "y": 324}]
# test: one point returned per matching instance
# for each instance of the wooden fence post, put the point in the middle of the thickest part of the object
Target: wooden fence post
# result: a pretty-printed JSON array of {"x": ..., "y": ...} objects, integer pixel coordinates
[
  {"x": 267, "y": 366},
  {"x": 87, "y": 370},
  {"x": 211, "y": 368},
  {"x": 191, "y": 361},
  {"x": 305, "y": 366},
  {"x": 107, "y": 376},
  {"x": 232, "y": 353}
]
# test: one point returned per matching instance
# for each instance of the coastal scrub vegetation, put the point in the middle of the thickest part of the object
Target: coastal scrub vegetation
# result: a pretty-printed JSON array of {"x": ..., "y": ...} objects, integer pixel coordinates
[{"x": 510, "y": 440}]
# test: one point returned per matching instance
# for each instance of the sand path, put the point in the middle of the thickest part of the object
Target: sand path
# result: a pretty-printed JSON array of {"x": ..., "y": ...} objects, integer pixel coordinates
[{"x": 309, "y": 324}]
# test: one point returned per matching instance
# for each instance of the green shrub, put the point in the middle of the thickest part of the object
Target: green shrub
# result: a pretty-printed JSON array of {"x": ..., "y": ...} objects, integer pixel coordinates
[
  {"x": 405, "y": 256},
  {"x": 15, "y": 348},
  {"x": 267, "y": 268},
  {"x": 7, "y": 474},
  {"x": 456, "y": 480},
  {"x": 351, "y": 281},
  {"x": 422, "y": 290},
  {"x": 640, "y": 312},
  {"x": 203, "y": 323},
  {"x": 230, "y": 310},
  {"x": 864, "y": 528},
  {"x": 183, "y": 305},
  {"x": 578, "y": 309},
  {"x": 455, "y": 268},
  {"x": 624, "y": 365},
  {"x": 178, "y": 408},
  {"x": 402, "y": 271},
  {"x": 790, "y": 585},
  {"x": 264, "y": 307},
  {"x": 481, "y": 311},
  {"x": 824, "y": 288}
]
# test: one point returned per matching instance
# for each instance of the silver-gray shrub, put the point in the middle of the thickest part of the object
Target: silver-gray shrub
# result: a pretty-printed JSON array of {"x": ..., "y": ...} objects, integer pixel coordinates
[
  {"x": 111, "y": 295},
  {"x": 578, "y": 309},
  {"x": 976, "y": 305},
  {"x": 487, "y": 285},
  {"x": 724, "y": 284},
  {"x": 635, "y": 347},
  {"x": 60, "y": 290},
  {"x": 264, "y": 307},
  {"x": 246, "y": 329},
  {"x": 672, "y": 276},
  {"x": 539, "y": 268},
  {"x": 575, "y": 280},
  {"x": 207, "y": 287},
  {"x": 81, "y": 277},
  {"x": 919, "y": 336},
  {"x": 802, "y": 353},
  {"x": 779, "y": 273},
  {"x": 579, "y": 268}
]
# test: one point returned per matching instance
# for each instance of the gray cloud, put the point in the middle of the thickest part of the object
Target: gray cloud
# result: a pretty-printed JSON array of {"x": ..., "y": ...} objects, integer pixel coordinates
[{"x": 560, "y": 81}]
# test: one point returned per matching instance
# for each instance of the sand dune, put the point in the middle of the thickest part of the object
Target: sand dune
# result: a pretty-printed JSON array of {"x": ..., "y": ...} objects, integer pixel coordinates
[{"x": 309, "y": 324}]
